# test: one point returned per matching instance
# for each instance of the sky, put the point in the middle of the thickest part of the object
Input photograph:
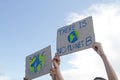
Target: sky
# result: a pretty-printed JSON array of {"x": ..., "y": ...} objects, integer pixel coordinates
[{"x": 27, "y": 26}]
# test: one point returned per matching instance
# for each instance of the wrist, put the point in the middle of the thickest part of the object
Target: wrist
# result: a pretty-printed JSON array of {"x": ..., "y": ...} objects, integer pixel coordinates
[{"x": 103, "y": 56}]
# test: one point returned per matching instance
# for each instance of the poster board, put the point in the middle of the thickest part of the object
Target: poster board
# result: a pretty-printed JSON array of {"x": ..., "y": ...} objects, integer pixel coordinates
[
  {"x": 75, "y": 37},
  {"x": 38, "y": 63}
]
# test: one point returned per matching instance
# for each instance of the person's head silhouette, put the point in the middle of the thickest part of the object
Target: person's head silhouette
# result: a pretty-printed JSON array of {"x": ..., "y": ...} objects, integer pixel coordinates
[{"x": 99, "y": 78}]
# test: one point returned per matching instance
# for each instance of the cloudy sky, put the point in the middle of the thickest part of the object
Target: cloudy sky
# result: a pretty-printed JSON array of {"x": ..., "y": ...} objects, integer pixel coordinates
[{"x": 28, "y": 26}]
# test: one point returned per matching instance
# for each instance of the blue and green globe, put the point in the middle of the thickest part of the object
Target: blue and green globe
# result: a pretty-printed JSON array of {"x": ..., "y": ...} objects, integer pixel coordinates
[
  {"x": 73, "y": 36},
  {"x": 37, "y": 63}
]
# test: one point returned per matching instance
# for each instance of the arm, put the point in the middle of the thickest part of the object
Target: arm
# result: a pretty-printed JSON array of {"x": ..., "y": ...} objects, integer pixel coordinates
[
  {"x": 53, "y": 74},
  {"x": 56, "y": 63},
  {"x": 110, "y": 72}
]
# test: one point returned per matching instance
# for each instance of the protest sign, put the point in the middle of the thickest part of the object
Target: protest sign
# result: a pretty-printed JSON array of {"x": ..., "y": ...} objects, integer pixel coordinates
[
  {"x": 75, "y": 37},
  {"x": 38, "y": 63}
]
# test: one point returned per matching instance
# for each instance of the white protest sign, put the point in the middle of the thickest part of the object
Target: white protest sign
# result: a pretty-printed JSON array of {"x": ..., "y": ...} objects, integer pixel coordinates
[
  {"x": 75, "y": 37},
  {"x": 38, "y": 63}
]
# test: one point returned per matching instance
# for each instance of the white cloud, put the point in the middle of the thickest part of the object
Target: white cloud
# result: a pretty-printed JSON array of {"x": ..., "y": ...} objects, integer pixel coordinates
[
  {"x": 3, "y": 77},
  {"x": 106, "y": 20}
]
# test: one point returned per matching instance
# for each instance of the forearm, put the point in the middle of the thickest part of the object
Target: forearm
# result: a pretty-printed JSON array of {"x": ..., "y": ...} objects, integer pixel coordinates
[
  {"x": 58, "y": 74},
  {"x": 110, "y": 72},
  {"x": 54, "y": 78}
]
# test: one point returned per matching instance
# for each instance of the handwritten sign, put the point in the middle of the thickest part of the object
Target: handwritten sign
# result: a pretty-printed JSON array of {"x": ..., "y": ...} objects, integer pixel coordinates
[
  {"x": 38, "y": 63},
  {"x": 75, "y": 37}
]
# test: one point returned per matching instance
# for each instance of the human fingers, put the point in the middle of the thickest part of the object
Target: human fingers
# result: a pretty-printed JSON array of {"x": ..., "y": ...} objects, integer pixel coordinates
[
  {"x": 52, "y": 72},
  {"x": 95, "y": 46},
  {"x": 57, "y": 58}
]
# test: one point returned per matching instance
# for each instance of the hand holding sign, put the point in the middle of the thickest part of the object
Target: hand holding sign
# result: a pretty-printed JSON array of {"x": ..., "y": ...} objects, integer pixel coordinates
[
  {"x": 98, "y": 48},
  {"x": 55, "y": 71},
  {"x": 56, "y": 61}
]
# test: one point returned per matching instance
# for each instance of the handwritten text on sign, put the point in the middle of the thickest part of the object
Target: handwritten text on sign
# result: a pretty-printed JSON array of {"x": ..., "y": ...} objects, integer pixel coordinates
[{"x": 75, "y": 37}]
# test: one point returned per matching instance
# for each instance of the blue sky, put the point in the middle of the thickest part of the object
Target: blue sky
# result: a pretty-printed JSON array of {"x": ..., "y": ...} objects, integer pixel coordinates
[{"x": 27, "y": 26}]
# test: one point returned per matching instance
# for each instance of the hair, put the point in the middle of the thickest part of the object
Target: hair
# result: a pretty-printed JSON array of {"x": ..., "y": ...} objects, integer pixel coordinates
[{"x": 99, "y": 78}]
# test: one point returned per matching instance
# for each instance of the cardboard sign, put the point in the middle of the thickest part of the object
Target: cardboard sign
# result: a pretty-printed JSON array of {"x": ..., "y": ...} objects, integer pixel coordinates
[
  {"x": 38, "y": 63},
  {"x": 75, "y": 37}
]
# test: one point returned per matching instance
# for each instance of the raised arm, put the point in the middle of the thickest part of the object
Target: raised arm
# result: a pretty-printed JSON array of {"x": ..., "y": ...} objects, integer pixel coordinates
[
  {"x": 53, "y": 74},
  {"x": 110, "y": 72},
  {"x": 56, "y": 63}
]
